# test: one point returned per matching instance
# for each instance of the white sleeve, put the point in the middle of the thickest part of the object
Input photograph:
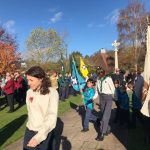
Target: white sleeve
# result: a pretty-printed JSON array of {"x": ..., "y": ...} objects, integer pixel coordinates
[
  {"x": 50, "y": 119},
  {"x": 96, "y": 91}
]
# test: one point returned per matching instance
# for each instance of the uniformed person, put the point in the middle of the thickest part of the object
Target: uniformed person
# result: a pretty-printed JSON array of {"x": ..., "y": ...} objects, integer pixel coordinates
[{"x": 105, "y": 89}]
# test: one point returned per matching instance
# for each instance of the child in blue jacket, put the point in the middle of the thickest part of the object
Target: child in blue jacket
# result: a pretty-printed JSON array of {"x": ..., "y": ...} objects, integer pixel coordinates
[
  {"x": 87, "y": 95},
  {"x": 124, "y": 106}
]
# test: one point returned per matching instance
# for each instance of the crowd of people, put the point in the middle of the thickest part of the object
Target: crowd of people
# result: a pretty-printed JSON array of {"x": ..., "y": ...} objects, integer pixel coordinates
[
  {"x": 14, "y": 87},
  {"x": 125, "y": 89},
  {"x": 106, "y": 87}
]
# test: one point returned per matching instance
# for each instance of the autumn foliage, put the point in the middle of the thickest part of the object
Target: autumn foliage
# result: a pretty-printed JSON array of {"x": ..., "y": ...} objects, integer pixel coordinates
[{"x": 8, "y": 52}]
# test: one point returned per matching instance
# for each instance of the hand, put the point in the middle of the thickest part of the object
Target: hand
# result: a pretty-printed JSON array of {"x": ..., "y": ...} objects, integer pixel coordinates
[
  {"x": 82, "y": 96},
  {"x": 81, "y": 90},
  {"x": 32, "y": 143}
]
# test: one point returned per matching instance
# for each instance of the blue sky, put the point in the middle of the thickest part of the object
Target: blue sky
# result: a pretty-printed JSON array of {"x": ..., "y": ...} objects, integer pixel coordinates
[{"x": 90, "y": 24}]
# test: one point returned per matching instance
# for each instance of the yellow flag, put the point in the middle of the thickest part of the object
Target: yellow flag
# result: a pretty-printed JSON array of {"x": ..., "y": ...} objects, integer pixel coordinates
[{"x": 83, "y": 68}]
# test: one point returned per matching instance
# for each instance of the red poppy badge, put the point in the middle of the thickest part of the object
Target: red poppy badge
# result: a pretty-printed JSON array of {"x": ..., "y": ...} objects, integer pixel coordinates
[{"x": 31, "y": 99}]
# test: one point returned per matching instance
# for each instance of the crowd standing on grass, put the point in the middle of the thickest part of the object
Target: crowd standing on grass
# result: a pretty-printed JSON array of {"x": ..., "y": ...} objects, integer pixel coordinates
[{"x": 108, "y": 87}]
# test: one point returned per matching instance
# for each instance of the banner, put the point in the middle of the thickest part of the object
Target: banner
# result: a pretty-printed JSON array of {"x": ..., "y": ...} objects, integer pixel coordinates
[
  {"x": 77, "y": 81},
  {"x": 83, "y": 68}
]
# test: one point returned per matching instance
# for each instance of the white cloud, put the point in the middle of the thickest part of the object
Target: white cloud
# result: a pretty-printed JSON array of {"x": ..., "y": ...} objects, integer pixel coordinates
[
  {"x": 113, "y": 16},
  {"x": 57, "y": 17},
  {"x": 9, "y": 25}
]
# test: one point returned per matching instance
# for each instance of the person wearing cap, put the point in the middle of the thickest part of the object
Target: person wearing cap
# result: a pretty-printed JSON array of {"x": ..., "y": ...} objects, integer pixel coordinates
[{"x": 105, "y": 89}]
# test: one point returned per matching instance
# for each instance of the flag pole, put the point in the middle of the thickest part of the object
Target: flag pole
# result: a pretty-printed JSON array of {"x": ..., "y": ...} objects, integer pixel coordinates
[{"x": 75, "y": 71}]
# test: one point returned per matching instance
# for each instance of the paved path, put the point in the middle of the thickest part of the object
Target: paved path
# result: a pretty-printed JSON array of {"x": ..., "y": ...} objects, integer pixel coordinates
[{"x": 70, "y": 136}]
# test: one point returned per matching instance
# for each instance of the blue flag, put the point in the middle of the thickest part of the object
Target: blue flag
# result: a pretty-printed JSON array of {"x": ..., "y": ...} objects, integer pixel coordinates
[{"x": 77, "y": 81}]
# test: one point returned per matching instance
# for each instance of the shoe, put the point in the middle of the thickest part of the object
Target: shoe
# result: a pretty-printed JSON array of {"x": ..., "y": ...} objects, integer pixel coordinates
[
  {"x": 84, "y": 130},
  {"x": 100, "y": 137},
  {"x": 107, "y": 133}
]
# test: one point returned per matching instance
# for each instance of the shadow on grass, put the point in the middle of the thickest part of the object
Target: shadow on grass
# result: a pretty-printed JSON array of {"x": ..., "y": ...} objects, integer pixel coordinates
[
  {"x": 59, "y": 139},
  {"x": 139, "y": 137},
  {"x": 131, "y": 138},
  {"x": 8, "y": 130},
  {"x": 1, "y": 108},
  {"x": 119, "y": 131},
  {"x": 19, "y": 106}
]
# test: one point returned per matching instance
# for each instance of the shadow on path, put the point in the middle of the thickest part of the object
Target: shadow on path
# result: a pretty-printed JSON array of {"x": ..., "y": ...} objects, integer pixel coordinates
[
  {"x": 59, "y": 139},
  {"x": 80, "y": 109},
  {"x": 120, "y": 132},
  {"x": 9, "y": 129}
]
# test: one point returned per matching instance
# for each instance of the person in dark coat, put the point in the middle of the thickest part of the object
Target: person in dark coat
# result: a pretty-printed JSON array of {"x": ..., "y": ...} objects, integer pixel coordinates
[
  {"x": 18, "y": 88},
  {"x": 136, "y": 99},
  {"x": 9, "y": 90}
]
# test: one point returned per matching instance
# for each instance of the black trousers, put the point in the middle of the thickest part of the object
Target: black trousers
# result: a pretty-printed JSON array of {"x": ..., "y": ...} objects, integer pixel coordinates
[
  {"x": 10, "y": 100},
  {"x": 19, "y": 96},
  {"x": 47, "y": 144}
]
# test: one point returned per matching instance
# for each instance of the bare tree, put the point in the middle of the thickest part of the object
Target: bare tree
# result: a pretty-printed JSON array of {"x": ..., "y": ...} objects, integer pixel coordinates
[{"x": 131, "y": 28}]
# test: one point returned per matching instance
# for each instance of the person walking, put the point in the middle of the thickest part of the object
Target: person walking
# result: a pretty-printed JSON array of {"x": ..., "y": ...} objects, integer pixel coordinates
[
  {"x": 87, "y": 95},
  {"x": 42, "y": 105},
  {"x": 105, "y": 88}
]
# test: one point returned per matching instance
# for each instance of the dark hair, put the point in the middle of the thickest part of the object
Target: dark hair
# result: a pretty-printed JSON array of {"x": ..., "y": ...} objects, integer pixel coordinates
[
  {"x": 116, "y": 82},
  {"x": 100, "y": 71},
  {"x": 123, "y": 88},
  {"x": 39, "y": 73},
  {"x": 91, "y": 81}
]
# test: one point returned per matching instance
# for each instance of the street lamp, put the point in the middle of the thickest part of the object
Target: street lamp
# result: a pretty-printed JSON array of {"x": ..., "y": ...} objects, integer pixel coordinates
[{"x": 115, "y": 44}]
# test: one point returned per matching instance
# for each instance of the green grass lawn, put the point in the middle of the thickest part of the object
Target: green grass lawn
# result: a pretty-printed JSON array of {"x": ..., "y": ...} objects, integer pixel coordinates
[{"x": 12, "y": 125}]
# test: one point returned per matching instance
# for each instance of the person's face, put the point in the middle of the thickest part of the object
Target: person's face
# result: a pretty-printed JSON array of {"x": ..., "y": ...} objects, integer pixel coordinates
[
  {"x": 8, "y": 78},
  {"x": 16, "y": 74},
  {"x": 54, "y": 74},
  {"x": 116, "y": 85},
  {"x": 34, "y": 82},
  {"x": 12, "y": 76},
  {"x": 101, "y": 75},
  {"x": 117, "y": 71},
  {"x": 89, "y": 84}
]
